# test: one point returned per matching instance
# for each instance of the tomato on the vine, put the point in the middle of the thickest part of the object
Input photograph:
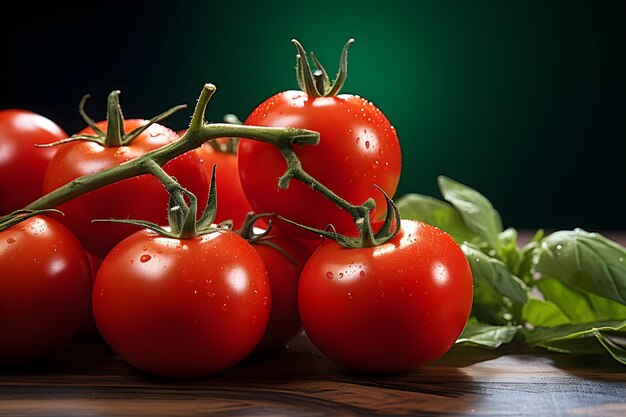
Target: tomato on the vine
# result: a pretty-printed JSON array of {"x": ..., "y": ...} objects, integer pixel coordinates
[
  {"x": 141, "y": 197},
  {"x": 45, "y": 288},
  {"x": 182, "y": 307},
  {"x": 22, "y": 164},
  {"x": 391, "y": 307},
  {"x": 358, "y": 148},
  {"x": 284, "y": 258}
]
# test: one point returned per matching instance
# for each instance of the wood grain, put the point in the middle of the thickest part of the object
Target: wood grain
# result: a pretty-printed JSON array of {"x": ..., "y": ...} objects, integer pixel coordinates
[{"x": 87, "y": 378}]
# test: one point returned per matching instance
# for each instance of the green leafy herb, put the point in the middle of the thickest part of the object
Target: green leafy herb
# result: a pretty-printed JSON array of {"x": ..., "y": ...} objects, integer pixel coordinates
[{"x": 565, "y": 292}]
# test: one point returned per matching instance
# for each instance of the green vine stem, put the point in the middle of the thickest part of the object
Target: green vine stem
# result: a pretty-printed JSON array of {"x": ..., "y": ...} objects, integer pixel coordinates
[
  {"x": 283, "y": 138},
  {"x": 182, "y": 221},
  {"x": 19, "y": 216},
  {"x": 198, "y": 133}
]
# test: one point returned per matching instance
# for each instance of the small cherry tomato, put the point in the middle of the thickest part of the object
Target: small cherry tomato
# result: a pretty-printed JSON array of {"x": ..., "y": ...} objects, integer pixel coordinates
[
  {"x": 182, "y": 307},
  {"x": 142, "y": 197},
  {"x": 358, "y": 148},
  {"x": 22, "y": 164},
  {"x": 391, "y": 307},
  {"x": 45, "y": 288},
  {"x": 284, "y": 258}
]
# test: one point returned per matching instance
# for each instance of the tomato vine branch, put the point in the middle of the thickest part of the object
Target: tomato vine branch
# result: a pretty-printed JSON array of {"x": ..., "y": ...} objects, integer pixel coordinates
[{"x": 199, "y": 132}]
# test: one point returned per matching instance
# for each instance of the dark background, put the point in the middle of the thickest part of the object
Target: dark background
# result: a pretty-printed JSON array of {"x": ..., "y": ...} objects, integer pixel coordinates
[{"x": 522, "y": 100}]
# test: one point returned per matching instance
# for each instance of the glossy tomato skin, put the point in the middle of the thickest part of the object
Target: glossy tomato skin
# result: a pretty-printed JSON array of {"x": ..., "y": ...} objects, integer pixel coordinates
[
  {"x": 142, "y": 197},
  {"x": 284, "y": 275},
  {"x": 232, "y": 203},
  {"x": 358, "y": 148},
  {"x": 389, "y": 308},
  {"x": 182, "y": 308},
  {"x": 45, "y": 288},
  {"x": 22, "y": 164}
]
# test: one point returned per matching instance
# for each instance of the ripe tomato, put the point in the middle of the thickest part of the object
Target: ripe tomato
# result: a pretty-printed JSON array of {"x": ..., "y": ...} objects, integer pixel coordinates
[
  {"x": 22, "y": 164},
  {"x": 182, "y": 307},
  {"x": 142, "y": 197},
  {"x": 45, "y": 288},
  {"x": 284, "y": 274},
  {"x": 358, "y": 148},
  {"x": 391, "y": 307}
]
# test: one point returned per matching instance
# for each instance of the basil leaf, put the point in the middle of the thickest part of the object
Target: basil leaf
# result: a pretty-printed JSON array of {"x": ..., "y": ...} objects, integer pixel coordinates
[
  {"x": 584, "y": 260},
  {"x": 476, "y": 211},
  {"x": 436, "y": 213},
  {"x": 579, "y": 338},
  {"x": 485, "y": 335},
  {"x": 580, "y": 306},
  {"x": 496, "y": 273},
  {"x": 543, "y": 336},
  {"x": 544, "y": 313},
  {"x": 618, "y": 352}
]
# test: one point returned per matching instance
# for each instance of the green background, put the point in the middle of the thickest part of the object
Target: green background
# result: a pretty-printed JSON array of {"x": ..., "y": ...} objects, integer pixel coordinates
[{"x": 522, "y": 100}]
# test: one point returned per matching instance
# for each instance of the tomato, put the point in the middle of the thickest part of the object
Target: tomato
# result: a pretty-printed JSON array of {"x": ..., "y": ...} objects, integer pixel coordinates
[
  {"x": 22, "y": 164},
  {"x": 232, "y": 203},
  {"x": 182, "y": 307},
  {"x": 388, "y": 308},
  {"x": 45, "y": 288},
  {"x": 284, "y": 274},
  {"x": 142, "y": 197},
  {"x": 358, "y": 149}
]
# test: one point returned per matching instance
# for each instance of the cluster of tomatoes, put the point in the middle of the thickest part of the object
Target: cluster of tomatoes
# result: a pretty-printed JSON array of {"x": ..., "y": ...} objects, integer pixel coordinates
[{"x": 196, "y": 305}]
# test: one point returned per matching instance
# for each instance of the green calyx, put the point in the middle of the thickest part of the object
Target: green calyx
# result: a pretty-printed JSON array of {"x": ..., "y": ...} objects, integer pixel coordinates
[
  {"x": 182, "y": 209},
  {"x": 361, "y": 214},
  {"x": 316, "y": 83},
  {"x": 19, "y": 216},
  {"x": 115, "y": 134}
]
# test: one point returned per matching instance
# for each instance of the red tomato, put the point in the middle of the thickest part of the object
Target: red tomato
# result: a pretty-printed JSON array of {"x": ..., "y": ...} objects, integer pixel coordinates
[
  {"x": 182, "y": 308},
  {"x": 358, "y": 148},
  {"x": 391, "y": 307},
  {"x": 284, "y": 274},
  {"x": 22, "y": 164},
  {"x": 45, "y": 288},
  {"x": 142, "y": 197}
]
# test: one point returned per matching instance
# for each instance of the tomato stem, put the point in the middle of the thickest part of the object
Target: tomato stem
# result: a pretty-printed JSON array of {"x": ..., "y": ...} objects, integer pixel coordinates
[
  {"x": 115, "y": 127},
  {"x": 317, "y": 83},
  {"x": 19, "y": 216}
]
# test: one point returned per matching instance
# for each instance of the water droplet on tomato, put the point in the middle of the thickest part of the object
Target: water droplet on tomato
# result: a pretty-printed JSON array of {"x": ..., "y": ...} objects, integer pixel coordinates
[
  {"x": 358, "y": 140},
  {"x": 350, "y": 296},
  {"x": 367, "y": 144},
  {"x": 340, "y": 275},
  {"x": 329, "y": 275},
  {"x": 362, "y": 274},
  {"x": 145, "y": 258},
  {"x": 10, "y": 240},
  {"x": 223, "y": 307}
]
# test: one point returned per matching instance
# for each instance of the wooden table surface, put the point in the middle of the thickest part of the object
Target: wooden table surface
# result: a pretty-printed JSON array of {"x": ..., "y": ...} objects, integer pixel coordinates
[{"x": 85, "y": 378}]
